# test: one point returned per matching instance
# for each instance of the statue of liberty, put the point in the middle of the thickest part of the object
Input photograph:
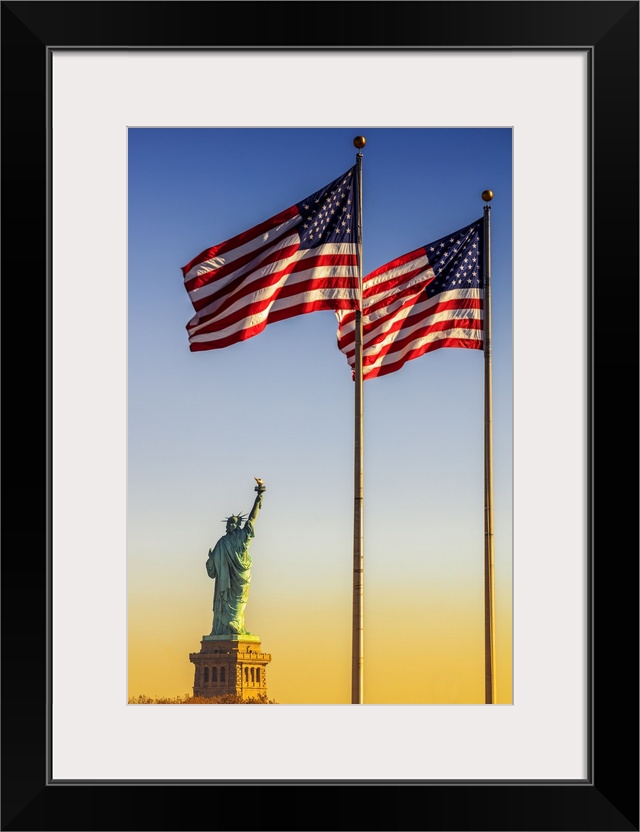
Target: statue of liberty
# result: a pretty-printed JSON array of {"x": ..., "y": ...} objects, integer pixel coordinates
[{"x": 229, "y": 564}]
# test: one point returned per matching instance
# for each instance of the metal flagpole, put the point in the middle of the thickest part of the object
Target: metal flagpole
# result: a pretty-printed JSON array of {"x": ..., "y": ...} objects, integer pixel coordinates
[
  {"x": 357, "y": 669},
  {"x": 489, "y": 601}
]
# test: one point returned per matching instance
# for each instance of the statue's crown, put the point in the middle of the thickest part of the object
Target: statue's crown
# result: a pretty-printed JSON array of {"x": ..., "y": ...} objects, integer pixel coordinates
[{"x": 234, "y": 518}]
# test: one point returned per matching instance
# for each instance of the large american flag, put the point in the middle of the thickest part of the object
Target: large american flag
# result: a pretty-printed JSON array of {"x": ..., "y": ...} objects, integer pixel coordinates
[
  {"x": 303, "y": 259},
  {"x": 427, "y": 299}
]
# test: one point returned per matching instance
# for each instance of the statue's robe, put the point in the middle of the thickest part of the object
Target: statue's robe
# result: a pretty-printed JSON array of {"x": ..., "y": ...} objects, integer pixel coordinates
[{"x": 230, "y": 565}]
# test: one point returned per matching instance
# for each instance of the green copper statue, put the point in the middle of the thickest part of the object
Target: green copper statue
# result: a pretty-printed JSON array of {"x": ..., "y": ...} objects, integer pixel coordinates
[{"x": 229, "y": 563}]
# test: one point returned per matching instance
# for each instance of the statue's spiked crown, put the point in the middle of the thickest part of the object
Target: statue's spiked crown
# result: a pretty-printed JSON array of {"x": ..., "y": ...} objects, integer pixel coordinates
[{"x": 235, "y": 518}]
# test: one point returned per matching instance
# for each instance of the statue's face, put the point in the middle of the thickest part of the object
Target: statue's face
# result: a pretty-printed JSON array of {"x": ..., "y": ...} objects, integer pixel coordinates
[{"x": 232, "y": 524}]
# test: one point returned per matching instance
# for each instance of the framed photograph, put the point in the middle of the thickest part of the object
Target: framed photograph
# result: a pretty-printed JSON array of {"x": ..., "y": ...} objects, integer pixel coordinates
[
  {"x": 97, "y": 98},
  {"x": 297, "y": 426}
]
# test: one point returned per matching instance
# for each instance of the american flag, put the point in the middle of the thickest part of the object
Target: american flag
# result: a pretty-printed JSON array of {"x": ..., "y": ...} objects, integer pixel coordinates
[
  {"x": 427, "y": 299},
  {"x": 303, "y": 259}
]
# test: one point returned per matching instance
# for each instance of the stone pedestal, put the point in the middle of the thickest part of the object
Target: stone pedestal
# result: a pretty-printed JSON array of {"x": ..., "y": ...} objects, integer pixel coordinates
[{"x": 230, "y": 664}]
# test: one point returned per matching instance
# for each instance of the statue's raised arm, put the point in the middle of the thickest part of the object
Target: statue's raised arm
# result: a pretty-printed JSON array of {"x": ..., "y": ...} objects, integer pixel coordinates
[{"x": 257, "y": 504}]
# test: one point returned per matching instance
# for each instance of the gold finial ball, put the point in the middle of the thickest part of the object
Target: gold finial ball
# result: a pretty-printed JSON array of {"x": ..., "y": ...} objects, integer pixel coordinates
[
  {"x": 487, "y": 196},
  {"x": 359, "y": 141}
]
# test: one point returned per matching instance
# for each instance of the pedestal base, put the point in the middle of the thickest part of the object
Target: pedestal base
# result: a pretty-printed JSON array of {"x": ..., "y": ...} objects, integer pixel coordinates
[{"x": 230, "y": 665}]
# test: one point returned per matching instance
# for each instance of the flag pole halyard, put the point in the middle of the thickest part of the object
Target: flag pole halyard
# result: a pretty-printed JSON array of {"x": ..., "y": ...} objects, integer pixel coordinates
[
  {"x": 489, "y": 599},
  {"x": 357, "y": 666}
]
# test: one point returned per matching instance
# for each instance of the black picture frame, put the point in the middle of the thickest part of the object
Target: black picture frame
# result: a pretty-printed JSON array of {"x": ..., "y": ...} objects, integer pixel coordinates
[{"x": 608, "y": 798}]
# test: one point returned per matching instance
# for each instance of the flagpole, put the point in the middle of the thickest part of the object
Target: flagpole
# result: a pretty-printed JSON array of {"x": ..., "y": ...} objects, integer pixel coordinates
[
  {"x": 489, "y": 600},
  {"x": 357, "y": 668}
]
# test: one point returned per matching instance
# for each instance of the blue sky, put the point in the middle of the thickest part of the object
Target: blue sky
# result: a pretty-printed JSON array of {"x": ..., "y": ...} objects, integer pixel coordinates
[{"x": 281, "y": 405}]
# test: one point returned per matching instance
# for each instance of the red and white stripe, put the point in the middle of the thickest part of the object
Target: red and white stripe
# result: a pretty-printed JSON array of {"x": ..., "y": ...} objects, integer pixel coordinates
[
  {"x": 401, "y": 322},
  {"x": 263, "y": 276}
]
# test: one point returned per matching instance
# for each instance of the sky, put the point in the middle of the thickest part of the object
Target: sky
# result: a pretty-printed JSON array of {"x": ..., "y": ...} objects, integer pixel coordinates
[{"x": 280, "y": 406}]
